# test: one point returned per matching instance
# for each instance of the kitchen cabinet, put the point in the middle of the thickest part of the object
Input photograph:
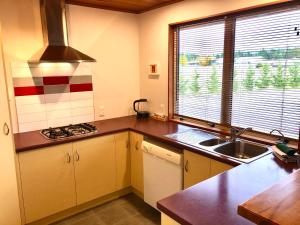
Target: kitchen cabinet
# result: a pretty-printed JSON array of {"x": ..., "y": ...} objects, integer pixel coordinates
[
  {"x": 166, "y": 220},
  {"x": 122, "y": 160},
  {"x": 137, "y": 177},
  {"x": 47, "y": 178},
  {"x": 63, "y": 176},
  {"x": 9, "y": 204},
  {"x": 95, "y": 167},
  {"x": 217, "y": 167},
  {"x": 196, "y": 168}
]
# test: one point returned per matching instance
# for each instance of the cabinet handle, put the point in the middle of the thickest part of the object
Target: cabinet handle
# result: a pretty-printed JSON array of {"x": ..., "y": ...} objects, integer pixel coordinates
[
  {"x": 186, "y": 166},
  {"x": 137, "y": 146},
  {"x": 127, "y": 144},
  {"x": 77, "y": 157},
  {"x": 68, "y": 157},
  {"x": 6, "y": 129}
]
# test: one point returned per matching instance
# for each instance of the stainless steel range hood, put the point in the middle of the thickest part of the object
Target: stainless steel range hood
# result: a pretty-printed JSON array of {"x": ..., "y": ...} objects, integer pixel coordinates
[{"x": 55, "y": 36}]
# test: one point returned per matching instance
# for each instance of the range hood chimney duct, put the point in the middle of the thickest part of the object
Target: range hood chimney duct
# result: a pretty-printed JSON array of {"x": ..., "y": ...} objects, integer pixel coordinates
[{"x": 55, "y": 35}]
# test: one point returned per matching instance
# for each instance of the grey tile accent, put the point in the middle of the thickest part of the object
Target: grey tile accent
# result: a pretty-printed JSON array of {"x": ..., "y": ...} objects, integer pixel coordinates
[
  {"x": 28, "y": 81},
  {"x": 54, "y": 89},
  {"x": 80, "y": 79}
]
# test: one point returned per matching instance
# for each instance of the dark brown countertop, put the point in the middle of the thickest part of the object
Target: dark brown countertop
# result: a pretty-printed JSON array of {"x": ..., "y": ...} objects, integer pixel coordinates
[
  {"x": 148, "y": 127},
  {"x": 214, "y": 201}
]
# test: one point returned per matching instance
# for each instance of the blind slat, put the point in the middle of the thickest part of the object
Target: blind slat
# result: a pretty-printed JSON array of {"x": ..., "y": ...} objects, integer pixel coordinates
[
  {"x": 264, "y": 90},
  {"x": 267, "y": 96}
]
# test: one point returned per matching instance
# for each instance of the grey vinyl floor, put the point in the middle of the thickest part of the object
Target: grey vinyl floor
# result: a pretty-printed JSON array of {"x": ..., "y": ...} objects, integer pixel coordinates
[{"x": 128, "y": 210}]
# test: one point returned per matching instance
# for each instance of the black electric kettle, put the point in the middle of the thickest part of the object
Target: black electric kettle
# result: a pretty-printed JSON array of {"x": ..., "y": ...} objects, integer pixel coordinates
[{"x": 136, "y": 107}]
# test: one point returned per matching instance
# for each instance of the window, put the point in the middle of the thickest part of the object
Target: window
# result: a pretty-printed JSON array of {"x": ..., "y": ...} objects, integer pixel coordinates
[
  {"x": 267, "y": 72},
  {"x": 200, "y": 69},
  {"x": 250, "y": 61}
]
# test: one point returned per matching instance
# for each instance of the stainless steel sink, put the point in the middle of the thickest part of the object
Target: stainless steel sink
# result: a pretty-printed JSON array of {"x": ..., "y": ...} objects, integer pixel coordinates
[
  {"x": 242, "y": 150},
  {"x": 212, "y": 142},
  {"x": 238, "y": 150}
]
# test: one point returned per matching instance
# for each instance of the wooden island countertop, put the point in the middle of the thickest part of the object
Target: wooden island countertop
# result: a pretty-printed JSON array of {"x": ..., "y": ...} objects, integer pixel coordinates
[{"x": 279, "y": 204}]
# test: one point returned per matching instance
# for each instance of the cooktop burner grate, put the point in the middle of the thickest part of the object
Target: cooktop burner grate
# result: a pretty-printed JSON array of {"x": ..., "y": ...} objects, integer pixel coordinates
[{"x": 68, "y": 131}]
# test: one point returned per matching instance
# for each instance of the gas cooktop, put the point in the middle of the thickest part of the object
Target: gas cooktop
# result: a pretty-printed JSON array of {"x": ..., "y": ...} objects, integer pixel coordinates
[{"x": 68, "y": 131}]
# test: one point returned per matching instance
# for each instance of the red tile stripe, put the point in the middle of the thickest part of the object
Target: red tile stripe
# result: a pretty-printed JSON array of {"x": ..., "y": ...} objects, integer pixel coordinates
[
  {"x": 56, "y": 80},
  {"x": 33, "y": 90},
  {"x": 81, "y": 87}
]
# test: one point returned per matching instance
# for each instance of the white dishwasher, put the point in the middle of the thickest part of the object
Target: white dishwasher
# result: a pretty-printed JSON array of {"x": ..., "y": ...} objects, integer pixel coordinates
[{"x": 163, "y": 172}]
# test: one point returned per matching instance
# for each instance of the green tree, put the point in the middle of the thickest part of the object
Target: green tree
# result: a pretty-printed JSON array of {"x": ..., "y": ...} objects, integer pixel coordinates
[
  {"x": 248, "y": 82},
  {"x": 191, "y": 57},
  {"x": 183, "y": 60},
  {"x": 213, "y": 82},
  {"x": 294, "y": 75},
  {"x": 264, "y": 81},
  {"x": 279, "y": 80},
  {"x": 183, "y": 84},
  {"x": 194, "y": 85}
]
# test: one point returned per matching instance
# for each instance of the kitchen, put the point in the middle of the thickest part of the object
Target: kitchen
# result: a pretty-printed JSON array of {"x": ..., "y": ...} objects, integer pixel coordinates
[{"x": 136, "y": 57}]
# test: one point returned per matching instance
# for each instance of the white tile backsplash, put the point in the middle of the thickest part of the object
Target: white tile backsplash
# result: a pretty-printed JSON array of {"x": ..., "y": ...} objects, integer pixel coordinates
[
  {"x": 52, "y": 111},
  {"x": 58, "y": 106},
  {"x": 32, "y": 108},
  {"x": 24, "y": 127},
  {"x": 83, "y": 69},
  {"x": 37, "y": 112},
  {"x": 32, "y": 117},
  {"x": 82, "y": 95},
  {"x": 30, "y": 100},
  {"x": 23, "y": 69},
  {"x": 26, "y": 72},
  {"x": 55, "y": 98},
  {"x": 82, "y": 111},
  {"x": 60, "y": 122},
  {"x": 52, "y": 115},
  {"x": 82, "y": 103},
  {"x": 86, "y": 118}
]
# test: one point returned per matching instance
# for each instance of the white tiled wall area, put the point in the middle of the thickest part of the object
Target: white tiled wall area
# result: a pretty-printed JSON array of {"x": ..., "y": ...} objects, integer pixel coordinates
[{"x": 48, "y": 109}]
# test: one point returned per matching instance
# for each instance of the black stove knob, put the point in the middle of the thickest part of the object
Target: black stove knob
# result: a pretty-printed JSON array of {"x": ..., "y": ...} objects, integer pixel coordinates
[{"x": 91, "y": 126}]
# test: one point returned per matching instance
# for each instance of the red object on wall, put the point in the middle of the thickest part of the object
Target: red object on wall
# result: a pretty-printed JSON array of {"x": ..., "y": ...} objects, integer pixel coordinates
[
  {"x": 56, "y": 80},
  {"x": 23, "y": 91},
  {"x": 81, "y": 87}
]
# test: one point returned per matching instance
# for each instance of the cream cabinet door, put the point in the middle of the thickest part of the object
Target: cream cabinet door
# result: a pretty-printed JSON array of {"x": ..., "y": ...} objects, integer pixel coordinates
[
  {"x": 47, "y": 177},
  {"x": 217, "y": 167},
  {"x": 95, "y": 168},
  {"x": 137, "y": 177},
  {"x": 166, "y": 220},
  {"x": 9, "y": 201},
  {"x": 196, "y": 168},
  {"x": 122, "y": 160}
]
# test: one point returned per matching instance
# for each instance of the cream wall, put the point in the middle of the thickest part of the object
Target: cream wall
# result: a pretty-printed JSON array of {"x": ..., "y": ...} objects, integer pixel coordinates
[
  {"x": 22, "y": 36},
  {"x": 123, "y": 44},
  {"x": 112, "y": 38},
  {"x": 154, "y": 40}
]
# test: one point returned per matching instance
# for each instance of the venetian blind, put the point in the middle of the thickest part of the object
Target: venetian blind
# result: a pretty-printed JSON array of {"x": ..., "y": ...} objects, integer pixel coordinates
[
  {"x": 266, "y": 85},
  {"x": 199, "y": 70}
]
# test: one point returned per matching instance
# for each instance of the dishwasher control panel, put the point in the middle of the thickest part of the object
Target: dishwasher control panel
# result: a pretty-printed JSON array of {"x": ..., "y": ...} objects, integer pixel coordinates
[{"x": 162, "y": 153}]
